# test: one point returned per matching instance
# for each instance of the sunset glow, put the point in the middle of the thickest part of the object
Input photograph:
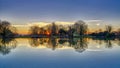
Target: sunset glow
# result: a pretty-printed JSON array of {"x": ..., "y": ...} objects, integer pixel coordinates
[{"x": 59, "y": 33}]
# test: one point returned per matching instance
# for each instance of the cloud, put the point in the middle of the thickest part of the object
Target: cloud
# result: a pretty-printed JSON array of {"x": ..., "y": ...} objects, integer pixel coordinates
[
  {"x": 95, "y": 24},
  {"x": 93, "y": 21},
  {"x": 40, "y": 24}
]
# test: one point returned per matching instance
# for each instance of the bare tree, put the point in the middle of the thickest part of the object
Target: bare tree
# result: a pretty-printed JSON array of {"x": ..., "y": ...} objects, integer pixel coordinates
[
  {"x": 6, "y": 30},
  {"x": 109, "y": 28},
  {"x": 81, "y": 27},
  {"x": 118, "y": 31},
  {"x": 71, "y": 31},
  {"x": 34, "y": 30},
  {"x": 41, "y": 30},
  {"x": 54, "y": 29}
]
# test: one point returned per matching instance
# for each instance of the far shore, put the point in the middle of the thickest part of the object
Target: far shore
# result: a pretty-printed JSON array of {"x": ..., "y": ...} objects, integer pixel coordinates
[{"x": 45, "y": 36}]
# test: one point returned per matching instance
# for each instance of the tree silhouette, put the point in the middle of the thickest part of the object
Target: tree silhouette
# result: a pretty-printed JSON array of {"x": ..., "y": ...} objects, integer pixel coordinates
[
  {"x": 6, "y": 30},
  {"x": 54, "y": 29},
  {"x": 34, "y": 30},
  {"x": 108, "y": 30},
  {"x": 118, "y": 32},
  {"x": 80, "y": 27},
  {"x": 41, "y": 30},
  {"x": 70, "y": 32},
  {"x": 62, "y": 32}
]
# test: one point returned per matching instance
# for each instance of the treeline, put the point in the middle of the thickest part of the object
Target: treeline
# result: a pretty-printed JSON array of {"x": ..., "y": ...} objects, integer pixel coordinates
[
  {"x": 78, "y": 29},
  {"x": 108, "y": 32}
]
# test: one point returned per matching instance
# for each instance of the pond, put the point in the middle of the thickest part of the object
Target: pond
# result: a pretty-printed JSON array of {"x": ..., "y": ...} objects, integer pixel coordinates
[{"x": 59, "y": 53}]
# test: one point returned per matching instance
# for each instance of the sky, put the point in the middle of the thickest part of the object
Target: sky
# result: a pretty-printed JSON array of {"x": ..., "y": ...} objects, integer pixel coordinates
[{"x": 31, "y": 11}]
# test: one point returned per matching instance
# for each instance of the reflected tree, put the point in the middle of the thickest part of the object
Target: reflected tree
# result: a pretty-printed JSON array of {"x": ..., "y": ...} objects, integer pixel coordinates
[
  {"x": 6, "y": 44},
  {"x": 108, "y": 43},
  {"x": 118, "y": 40},
  {"x": 81, "y": 45},
  {"x": 34, "y": 42},
  {"x": 100, "y": 42},
  {"x": 62, "y": 41},
  {"x": 53, "y": 43},
  {"x": 73, "y": 41}
]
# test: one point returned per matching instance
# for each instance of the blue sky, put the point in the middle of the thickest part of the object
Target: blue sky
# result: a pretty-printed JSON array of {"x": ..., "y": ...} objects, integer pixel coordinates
[{"x": 24, "y": 11}]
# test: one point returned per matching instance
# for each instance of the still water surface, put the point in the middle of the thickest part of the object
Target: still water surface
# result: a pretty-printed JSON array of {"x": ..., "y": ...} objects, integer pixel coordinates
[{"x": 59, "y": 53}]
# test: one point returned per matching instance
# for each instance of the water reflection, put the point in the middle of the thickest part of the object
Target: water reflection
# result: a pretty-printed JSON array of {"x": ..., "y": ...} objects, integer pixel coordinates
[
  {"x": 118, "y": 42},
  {"x": 51, "y": 42},
  {"x": 109, "y": 42},
  {"x": 78, "y": 44},
  {"x": 6, "y": 44}
]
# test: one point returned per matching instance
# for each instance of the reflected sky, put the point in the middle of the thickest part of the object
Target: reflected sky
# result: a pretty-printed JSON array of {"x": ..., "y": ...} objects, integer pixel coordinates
[{"x": 60, "y": 53}]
